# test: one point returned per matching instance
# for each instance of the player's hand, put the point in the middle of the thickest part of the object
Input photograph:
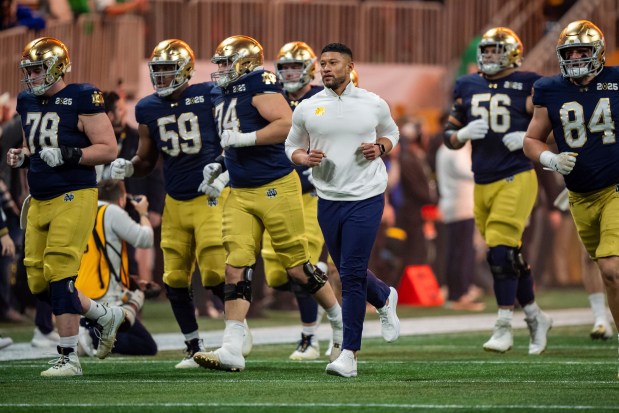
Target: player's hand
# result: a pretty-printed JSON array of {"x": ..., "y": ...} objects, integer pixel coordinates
[
  {"x": 8, "y": 246},
  {"x": 310, "y": 177},
  {"x": 514, "y": 140},
  {"x": 233, "y": 139},
  {"x": 121, "y": 169},
  {"x": 15, "y": 157},
  {"x": 210, "y": 172},
  {"x": 562, "y": 163},
  {"x": 473, "y": 131},
  {"x": 213, "y": 190},
  {"x": 51, "y": 156}
]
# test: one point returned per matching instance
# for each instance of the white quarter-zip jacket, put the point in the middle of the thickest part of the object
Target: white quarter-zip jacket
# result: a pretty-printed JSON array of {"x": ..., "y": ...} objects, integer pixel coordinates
[{"x": 338, "y": 125}]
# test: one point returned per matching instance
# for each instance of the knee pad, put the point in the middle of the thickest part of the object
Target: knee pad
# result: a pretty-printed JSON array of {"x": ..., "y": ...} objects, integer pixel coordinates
[
  {"x": 298, "y": 289},
  {"x": 218, "y": 290},
  {"x": 64, "y": 297},
  {"x": 503, "y": 262},
  {"x": 178, "y": 295},
  {"x": 316, "y": 278},
  {"x": 242, "y": 289}
]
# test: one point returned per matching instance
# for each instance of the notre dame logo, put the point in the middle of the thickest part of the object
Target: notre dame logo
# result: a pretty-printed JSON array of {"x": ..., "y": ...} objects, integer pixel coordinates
[
  {"x": 69, "y": 197},
  {"x": 271, "y": 193},
  {"x": 269, "y": 78},
  {"x": 212, "y": 201},
  {"x": 97, "y": 98}
]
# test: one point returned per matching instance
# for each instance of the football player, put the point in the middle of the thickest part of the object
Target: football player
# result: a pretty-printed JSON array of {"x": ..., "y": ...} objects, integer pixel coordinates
[
  {"x": 492, "y": 109},
  {"x": 66, "y": 133},
  {"x": 253, "y": 119},
  {"x": 177, "y": 122},
  {"x": 295, "y": 67},
  {"x": 581, "y": 108}
]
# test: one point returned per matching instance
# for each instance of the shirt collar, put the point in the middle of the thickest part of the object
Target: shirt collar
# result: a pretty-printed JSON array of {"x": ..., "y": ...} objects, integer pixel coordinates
[{"x": 349, "y": 90}]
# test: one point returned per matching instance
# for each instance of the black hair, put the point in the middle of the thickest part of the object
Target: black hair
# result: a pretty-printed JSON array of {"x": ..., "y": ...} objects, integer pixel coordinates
[
  {"x": 338, "y": 48},
  {"x": 110, "y": 99}
]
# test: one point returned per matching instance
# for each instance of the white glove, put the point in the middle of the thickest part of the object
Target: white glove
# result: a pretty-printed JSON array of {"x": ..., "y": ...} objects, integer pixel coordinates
[
  {"x": 213, "y": 190},
  {"x": 310, "y": 177},
  {"x": 563, "y": 200},
  {"x": 121, "y": 169},
  {"x": 473, "y": 131},
  {"x": 514, "y": 140},
  {"x": 232, "y": 139},
  {"x": 51, "y": 156},
  {"x": 562, "y": 163},
  {"x": 210, "y": 172}
]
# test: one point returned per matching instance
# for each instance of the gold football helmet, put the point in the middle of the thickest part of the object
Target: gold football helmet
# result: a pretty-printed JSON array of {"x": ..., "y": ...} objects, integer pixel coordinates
[
  {"x": 506, "y": 44},
  {"x": 581, "y": 34},
  {"x": 44, "y": 62},
  {"x": 171, "y": 66},
  {"x": 235, "y": 57},
  {"x": 354, "y": 77},
  {"x": 301, "y": 54}
]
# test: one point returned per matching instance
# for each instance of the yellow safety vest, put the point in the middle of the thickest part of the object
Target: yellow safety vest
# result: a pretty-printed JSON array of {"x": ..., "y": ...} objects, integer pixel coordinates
[{"x": 93, "y": 277}]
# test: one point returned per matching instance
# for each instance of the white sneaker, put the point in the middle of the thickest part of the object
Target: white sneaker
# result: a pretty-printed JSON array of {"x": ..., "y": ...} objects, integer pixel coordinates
[
  {"x": 538, "y": 332},
  {"x": 85, "y": 346},
  {"x": 389, "y": 321},
  {"x": 193, "y": 346},
  {"x": 65, "y": 365},
  {"x": 307, "y": 349},
  {"x": 601, "y": 330},
  {"x": 5, "y": 342},
  {"x": 335, "y": 352},
  {"x": 344, "y": 366},
  {"x": 110, "y": 323},
  {"x": 40, "y": 340},
  {"x": 248, "y": 340},
  {"x": 220, "y": 359},
  {"x": 502, "y": 339}
]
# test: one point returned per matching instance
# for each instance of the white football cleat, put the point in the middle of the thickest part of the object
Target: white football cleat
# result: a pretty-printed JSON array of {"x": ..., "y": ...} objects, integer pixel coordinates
[
  {"x": 110, "y": 323},
  {"x": 389, "y": 321},
  {"x": 248, "y": 340},
  {"x": 344, "y": 366},
  {"x": 65, "y": 365},
  {"x": 220, "y": 359},
  {"x": 538, "y": 332},
  {"x": 40, "y": 340},
  {"x": 601, "y": 330},
  {"x": 308, "y": 348},
  {"x": 193, "y": 346},
  {"x": 502, "y": 339}
]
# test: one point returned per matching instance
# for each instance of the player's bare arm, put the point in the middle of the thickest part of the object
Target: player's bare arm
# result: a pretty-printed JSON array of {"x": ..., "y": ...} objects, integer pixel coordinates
[
  {"x": 537, "y": 134},
  {"x": 274, "y": 108},
  {"x": 147, "y": 155},
  {"x": 99, "y": 130}
]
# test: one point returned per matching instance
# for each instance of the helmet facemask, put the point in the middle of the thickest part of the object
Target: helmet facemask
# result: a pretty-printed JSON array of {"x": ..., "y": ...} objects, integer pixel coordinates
[
  {"x": 49, "y": 72},
  {"x": 226, "y": 70},
  {"x": 487, "y": 62},
  {"x": 584, "y": 66},
  {"x": 168, "y": 75},
  {"x": 294, "y": 79}
]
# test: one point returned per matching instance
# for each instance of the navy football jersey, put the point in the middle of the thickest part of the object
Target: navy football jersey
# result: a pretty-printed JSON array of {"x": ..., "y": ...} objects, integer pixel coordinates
[
  {"x": 51, "y": 121},
  {"x": 305, "y": 183},
  {"x": 184, "y": 132},
  {"x": 585, "y": 121},
  {"x": 502, "y": 102},
  {"x": 250, "y": 166}
]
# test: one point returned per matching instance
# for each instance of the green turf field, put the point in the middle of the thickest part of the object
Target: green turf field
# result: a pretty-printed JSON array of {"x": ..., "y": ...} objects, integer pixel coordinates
[{"x": 435, "y": 373}]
